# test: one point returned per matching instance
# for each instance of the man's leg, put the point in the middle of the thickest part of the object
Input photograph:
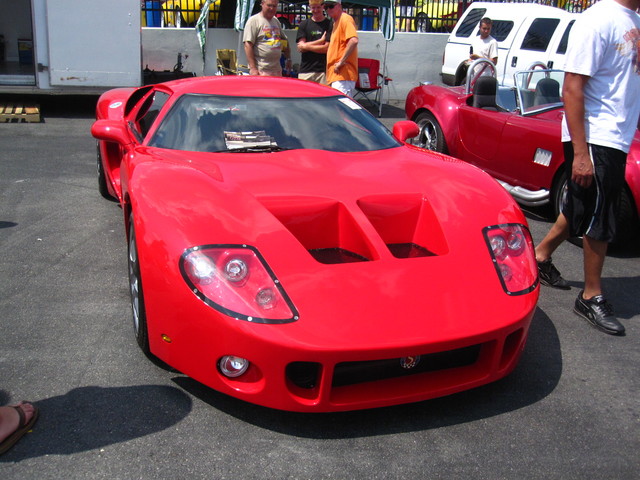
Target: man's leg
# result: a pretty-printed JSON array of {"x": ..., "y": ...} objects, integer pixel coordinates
[
  {"x": 594, "y": 252},
  {"x": 548, "y": 273}
]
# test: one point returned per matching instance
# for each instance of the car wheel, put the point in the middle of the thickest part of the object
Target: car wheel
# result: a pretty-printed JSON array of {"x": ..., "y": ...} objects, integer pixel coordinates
[
  {"x": 135, "y": 289},
  {"x": 559, "y": 192},
  {"x": 430, "y": 136},
  {"x": 423, "y": 24},
  {"x": 627, "y": 229},
  {"x": 102, "y": 178}
]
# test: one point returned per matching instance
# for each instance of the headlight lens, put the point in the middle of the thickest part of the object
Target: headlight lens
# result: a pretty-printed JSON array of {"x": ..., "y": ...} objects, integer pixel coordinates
[
  {"x": 511, "y": 249},
  {"x": 236, "y": 280}
]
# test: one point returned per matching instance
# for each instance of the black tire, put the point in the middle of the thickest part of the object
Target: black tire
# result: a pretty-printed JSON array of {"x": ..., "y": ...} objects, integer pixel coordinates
[
  {"x": 423, "y": 24},
  {"x": 135, "y": 290},
  {"x": 102, "y": 178},
  {"x": 461, "y": 75},
  {"x": 430, "y": 136},
  {"x": 627, "y": 228},
  {"x": 558, "y": 192}
]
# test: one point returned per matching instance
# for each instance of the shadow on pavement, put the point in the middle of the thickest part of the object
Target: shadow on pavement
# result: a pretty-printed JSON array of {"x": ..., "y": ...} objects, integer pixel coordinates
[{"x": 89, "y": 418}]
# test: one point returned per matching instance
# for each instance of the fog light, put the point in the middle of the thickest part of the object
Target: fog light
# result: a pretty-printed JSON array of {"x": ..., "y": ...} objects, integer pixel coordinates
[{"x": 233, "y": 367}]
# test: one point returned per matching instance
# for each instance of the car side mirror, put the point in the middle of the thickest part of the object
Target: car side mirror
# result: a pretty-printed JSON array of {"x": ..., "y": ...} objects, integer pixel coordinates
[
  {"x": 405, "y": 129},
  {"x": 111, "y": 131}
]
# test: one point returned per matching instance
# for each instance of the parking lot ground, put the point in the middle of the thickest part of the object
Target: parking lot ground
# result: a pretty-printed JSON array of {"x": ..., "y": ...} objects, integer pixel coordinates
[{"x": 570, "y": 410}]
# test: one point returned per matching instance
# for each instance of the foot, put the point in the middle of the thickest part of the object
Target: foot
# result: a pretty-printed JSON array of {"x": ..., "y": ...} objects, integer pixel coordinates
[
  {"x": 550, "y": 276},
  {"x": 599, "y": 313},
  {"x": 15, "y": 421}
]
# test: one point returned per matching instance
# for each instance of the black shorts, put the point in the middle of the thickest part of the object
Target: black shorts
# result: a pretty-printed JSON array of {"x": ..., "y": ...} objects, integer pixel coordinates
[{"x": 590, "y": 211}]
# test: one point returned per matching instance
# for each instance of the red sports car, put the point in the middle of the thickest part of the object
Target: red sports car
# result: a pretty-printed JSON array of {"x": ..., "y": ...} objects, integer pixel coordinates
[
  {"x": 512, "y": 133},
  {"x": 286, "y": 249}
]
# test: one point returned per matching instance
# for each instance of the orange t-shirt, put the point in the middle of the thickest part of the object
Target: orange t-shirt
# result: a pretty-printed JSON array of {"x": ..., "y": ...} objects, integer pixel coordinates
[{"x": 343, "y": 30}]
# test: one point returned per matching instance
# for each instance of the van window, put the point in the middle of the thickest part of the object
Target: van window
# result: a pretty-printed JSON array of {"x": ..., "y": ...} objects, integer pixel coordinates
[
  {"x": 562, "y": 47},
  {"x": 468, "y": 25},
  {"x": 539, "y": 34},
  {"x": 500, "y": 29}
]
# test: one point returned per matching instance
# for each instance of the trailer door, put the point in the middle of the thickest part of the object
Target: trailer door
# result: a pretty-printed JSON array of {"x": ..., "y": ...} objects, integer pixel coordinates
[{"x": 94, "y": 43}]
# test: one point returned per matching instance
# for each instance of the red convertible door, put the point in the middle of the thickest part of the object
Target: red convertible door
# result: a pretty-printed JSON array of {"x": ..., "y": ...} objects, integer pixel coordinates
[
  {"x": 481, "y": 134},
  {"x": 530, "y": 151}
]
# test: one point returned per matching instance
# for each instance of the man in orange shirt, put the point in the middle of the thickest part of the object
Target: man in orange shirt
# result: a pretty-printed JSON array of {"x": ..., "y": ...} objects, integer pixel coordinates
[{"x": 342, "y": 56}]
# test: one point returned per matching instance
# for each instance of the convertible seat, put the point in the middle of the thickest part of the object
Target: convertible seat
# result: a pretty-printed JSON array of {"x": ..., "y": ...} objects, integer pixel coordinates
[
  {"x": 484, "y": 93},
  {"x": 547, "y": 91}
]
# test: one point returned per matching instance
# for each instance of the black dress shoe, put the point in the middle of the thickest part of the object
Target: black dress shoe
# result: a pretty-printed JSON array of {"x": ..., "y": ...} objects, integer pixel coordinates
[
  {"x": 550, "y": 276},
  {"x": 599, "y": 313}
]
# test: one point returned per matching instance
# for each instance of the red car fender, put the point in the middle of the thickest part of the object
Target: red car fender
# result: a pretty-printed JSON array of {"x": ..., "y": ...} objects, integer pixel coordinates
[
  {"x": 632, "y": 171},
  {"x": 443, "y": 103}
]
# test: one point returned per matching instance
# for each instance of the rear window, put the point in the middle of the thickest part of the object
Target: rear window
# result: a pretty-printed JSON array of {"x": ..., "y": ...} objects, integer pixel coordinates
[
  {"x": 539, "y": 35},
  {"x": 468, "y": 25},
  {"x": 500, "y": 29}
]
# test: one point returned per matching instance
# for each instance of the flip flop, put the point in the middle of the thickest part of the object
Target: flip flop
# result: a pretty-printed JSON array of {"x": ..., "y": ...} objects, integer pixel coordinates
[{"x": 23, "y": 427}]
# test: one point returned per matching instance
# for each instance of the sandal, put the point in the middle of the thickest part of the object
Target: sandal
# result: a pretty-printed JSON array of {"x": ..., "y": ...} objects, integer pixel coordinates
[{"x": 23, "y": 427}]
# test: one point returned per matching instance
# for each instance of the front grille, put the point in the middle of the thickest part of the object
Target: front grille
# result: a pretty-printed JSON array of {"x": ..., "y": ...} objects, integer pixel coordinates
[{"x": 350, "y": 373}]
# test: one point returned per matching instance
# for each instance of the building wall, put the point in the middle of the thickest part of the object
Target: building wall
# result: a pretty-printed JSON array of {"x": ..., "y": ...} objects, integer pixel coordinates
[{"x": 412, "y": 58}]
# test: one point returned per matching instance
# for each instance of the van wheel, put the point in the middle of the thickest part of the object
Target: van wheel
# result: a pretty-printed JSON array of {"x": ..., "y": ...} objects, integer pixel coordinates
[
  {"x": 430, "y": 136},
  {"x": 423, "y": 24}
]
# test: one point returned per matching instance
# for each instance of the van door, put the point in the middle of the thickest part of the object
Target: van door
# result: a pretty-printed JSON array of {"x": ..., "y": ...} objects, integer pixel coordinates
[
  {"x": 532, "y": 44},
  {"x": 559, "y": 47},
  {"x": 94, "y": 44}
]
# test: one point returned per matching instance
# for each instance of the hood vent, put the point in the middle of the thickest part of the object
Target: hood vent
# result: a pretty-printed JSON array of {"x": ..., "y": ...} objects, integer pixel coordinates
[{"x": 326, "y": 228}]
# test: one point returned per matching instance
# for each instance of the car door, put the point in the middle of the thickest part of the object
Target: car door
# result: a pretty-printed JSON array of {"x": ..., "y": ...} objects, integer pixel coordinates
[
  {"x": 530, "y": 151},
  {"x": 481, "y": 134}
]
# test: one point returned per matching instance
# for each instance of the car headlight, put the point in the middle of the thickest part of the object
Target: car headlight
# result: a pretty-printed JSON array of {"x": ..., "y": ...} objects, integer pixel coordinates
[
  {"x": 236, "y": 280},
  {"x": 511, "y": 249}
]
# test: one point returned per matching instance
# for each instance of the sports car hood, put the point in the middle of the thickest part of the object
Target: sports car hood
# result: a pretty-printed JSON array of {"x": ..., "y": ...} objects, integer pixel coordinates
[{"x": 382, "y": 246}]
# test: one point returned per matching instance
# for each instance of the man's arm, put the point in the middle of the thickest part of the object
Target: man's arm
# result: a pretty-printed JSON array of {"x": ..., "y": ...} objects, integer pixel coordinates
[
  {"x": 573, "y": 96},
  {"x": 351, "y": 46},
  {"x": 317, "y": 46},
  {"x": 251, "y": 58}
]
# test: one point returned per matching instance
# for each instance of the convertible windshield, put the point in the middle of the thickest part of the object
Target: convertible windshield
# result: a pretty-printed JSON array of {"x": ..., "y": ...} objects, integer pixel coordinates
[
  {"x": 539, "y": 90},
  {"x": 214, "y": 123}
]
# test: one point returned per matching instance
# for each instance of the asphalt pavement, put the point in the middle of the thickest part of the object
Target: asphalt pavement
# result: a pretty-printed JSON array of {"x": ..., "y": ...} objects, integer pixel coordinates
[{"x": 570, "y": 410}]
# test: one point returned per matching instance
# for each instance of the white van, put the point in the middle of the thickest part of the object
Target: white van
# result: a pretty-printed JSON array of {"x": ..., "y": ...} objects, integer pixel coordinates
[{"x": 526, "y": 33}]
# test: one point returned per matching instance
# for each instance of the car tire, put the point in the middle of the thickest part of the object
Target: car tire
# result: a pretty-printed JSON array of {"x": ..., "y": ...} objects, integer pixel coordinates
[
  {"x": 135, "y": 290},
  {"x": 627, "y": 229},
  {"x": 558, "y": 192},
  {"x": 423, "y": 24},
  {"x": 102, "y": 178},
  {"x": 431, "y": 136}
]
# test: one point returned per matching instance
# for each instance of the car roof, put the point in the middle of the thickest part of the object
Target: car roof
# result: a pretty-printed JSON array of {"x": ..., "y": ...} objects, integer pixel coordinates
[{"x": 250, "y": 86}]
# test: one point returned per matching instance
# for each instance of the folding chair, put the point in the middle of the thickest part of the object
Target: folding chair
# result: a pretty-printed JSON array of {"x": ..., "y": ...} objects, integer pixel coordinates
[
  {"x": 371, "y": 82},
  {"x": 227, "y": 61}
]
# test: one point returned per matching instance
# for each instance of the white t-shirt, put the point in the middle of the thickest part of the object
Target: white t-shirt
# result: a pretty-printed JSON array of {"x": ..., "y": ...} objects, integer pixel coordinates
[
  {"x": 485, "y": 47},
  {"x": 603, "y": 44}
]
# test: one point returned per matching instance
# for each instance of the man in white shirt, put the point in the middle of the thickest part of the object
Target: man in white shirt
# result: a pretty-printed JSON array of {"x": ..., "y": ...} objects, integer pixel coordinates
[
  {"x": 484, "y": 45},
  {"x": 602, "y": 105}
]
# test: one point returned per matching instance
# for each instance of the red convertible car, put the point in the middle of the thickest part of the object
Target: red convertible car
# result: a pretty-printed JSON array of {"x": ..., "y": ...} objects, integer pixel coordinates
[
  {"x": 286, "y": 249},
  {"x": 513, "y": 133}
]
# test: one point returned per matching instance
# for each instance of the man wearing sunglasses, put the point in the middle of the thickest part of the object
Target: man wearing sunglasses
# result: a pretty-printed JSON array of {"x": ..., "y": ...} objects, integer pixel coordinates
[{"x": 342, "y": 55}]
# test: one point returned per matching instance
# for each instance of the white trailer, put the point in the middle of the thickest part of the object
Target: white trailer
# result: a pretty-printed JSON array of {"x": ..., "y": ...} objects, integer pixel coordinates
[{"x": 69, "y": 46}]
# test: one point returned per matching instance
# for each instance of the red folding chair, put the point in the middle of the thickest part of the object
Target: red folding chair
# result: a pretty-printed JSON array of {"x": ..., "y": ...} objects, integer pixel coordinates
[{"x": 371, "y": 82}]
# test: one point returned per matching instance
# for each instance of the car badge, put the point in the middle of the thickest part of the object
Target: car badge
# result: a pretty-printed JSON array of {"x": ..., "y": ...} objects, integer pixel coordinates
[{"x": 409, "y": 362}]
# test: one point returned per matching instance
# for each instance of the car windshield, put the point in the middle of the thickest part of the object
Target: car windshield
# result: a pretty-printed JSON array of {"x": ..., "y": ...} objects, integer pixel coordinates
[
  {"x": 539, "y": 90},
  {"x": 216, "y": 123}
]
